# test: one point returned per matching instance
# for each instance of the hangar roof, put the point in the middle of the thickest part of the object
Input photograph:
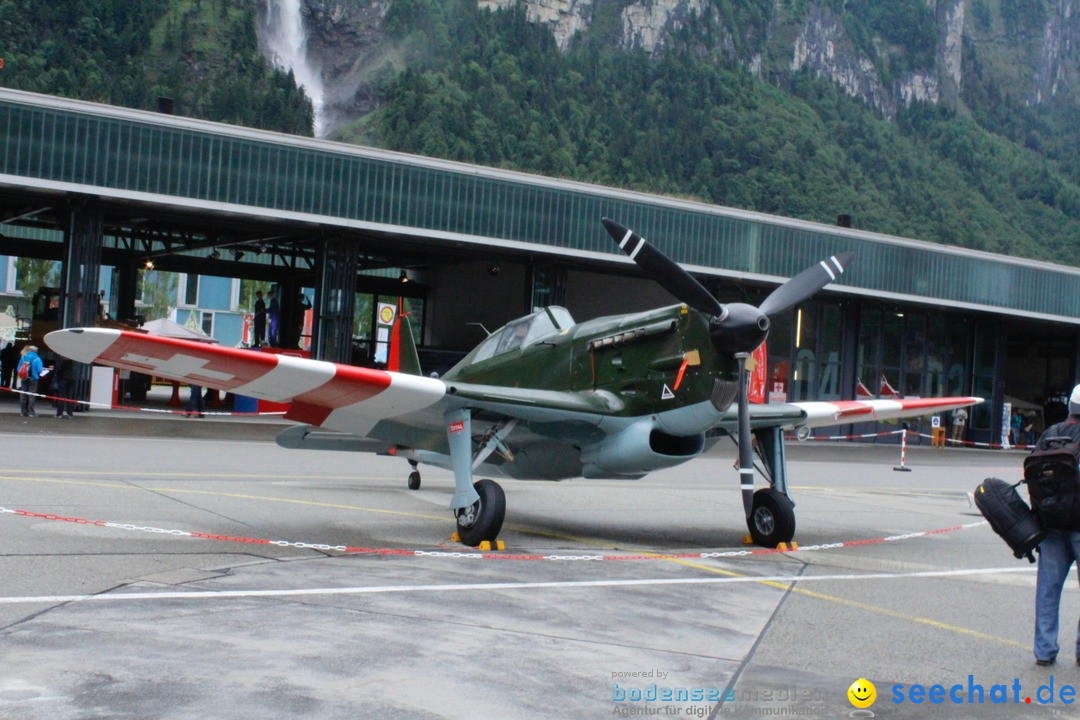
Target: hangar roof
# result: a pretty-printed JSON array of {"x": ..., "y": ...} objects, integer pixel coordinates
[{"x": 54, "y": 144}]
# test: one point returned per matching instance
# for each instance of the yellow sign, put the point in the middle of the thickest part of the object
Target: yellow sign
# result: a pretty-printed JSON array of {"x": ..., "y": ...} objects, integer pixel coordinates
[{"x": 386, "y": 314}]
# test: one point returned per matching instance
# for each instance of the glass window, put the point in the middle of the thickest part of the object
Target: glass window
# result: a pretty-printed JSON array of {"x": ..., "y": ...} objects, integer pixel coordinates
[
  {"x": 805, "y": 371},
  {"x": 984, "y": 351},
  {"x": 779, "y": 354},
  {"x": 513, "y": 335},
  {"x": 829, "y": 346},
  {"x": 414, "y": 308},
  {"x": 915, "y": 342},
  {"x": 542, "y": 326},
  {"x": 868, "y": 365},
  {"x": 936, "y": 352},
  {"x": 363, "y": 316},
  {"x": 561, "y": 317},
  {"x": 524, "y": 332},
  {"x": 487, "y": 348}
]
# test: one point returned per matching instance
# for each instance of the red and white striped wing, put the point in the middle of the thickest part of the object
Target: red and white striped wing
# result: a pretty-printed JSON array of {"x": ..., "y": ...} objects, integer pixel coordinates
[
  {"x": 339, "y": 397},
  {"x": 839, "y": 412}
]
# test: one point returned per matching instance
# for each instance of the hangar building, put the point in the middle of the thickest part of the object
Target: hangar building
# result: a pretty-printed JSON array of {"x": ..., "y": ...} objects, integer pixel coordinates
[{"x": 97, "y": 186}]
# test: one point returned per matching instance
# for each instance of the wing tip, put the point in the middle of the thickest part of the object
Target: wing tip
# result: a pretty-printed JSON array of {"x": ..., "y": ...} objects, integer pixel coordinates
[{"x": 81, "y": 344}]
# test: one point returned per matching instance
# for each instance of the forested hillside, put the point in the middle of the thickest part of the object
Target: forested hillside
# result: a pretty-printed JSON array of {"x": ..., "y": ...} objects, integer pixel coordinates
[
  {"x": 988, "y": 170},
  {"x": 202, "y": 54},
  {"x": 494, "y": 89}
]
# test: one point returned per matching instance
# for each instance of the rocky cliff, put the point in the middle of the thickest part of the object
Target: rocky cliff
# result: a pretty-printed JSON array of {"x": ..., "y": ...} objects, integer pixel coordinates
[{"x": 1029, "y": 56}]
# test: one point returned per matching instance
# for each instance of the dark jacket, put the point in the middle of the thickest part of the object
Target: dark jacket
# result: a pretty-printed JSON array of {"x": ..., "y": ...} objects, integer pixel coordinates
[
  {"x": 64, "y": 371},
  {"x": 1069, "y": 427}
]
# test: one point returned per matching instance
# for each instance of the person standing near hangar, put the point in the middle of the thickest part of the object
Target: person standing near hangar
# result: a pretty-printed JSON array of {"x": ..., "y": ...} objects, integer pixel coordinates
[
  {"x": 1061, "y": 546},
  {"x": 29, "y": 371},
  {"x": 260, "y": 319}
]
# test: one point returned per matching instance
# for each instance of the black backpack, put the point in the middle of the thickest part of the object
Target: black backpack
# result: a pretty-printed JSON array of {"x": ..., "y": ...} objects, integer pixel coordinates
[
  {"x": 1009, "y": 516},
  {"x": 1052, "y": 474}
]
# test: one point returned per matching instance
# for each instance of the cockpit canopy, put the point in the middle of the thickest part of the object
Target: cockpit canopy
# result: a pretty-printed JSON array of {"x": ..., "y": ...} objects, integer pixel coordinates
[{"x": 525, "y": 331}]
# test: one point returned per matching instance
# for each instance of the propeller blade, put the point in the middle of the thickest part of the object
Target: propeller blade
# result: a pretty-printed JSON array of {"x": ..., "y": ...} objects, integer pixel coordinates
[
  {"x": 665, "y": 271},
  {"x": 805, "y": 284},
  {"x": 746, "y": 448}
]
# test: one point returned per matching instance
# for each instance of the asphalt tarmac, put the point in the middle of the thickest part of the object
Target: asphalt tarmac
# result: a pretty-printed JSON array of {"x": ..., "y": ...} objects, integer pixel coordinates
[{"x": 137, "y": 582}]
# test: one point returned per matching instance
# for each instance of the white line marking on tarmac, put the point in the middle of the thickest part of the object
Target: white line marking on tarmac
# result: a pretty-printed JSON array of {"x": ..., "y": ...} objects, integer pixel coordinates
[{"x": 383, "y": 589}]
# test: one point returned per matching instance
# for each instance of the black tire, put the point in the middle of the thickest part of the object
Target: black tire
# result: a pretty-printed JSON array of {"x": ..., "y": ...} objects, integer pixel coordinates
[
  {"x": 772, "y": 518},
  {"x": 414, "y": 480},
  {"x": 483, "y": 520}
]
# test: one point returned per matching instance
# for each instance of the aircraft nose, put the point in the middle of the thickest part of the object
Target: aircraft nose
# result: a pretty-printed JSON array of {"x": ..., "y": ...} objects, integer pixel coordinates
[{"x": 740, "y": 329}]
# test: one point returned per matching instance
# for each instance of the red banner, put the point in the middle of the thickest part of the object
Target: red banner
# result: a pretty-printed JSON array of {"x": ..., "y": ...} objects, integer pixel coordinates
[{"x": 758, "y": 365}]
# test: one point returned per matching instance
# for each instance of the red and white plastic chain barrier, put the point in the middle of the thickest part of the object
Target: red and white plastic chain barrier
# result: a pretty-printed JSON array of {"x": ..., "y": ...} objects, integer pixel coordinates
[
  {"x": 913, "y": 433},
  {"x": 478, "y": 555},
  {"x": 972, "y": 443},
  {"x": 864, "y": 436},
  {"x": 109, "y": 406}
]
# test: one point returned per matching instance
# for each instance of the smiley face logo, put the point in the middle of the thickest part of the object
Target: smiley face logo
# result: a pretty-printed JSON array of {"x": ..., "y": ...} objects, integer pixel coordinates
[{"x": 862, "y": 693}]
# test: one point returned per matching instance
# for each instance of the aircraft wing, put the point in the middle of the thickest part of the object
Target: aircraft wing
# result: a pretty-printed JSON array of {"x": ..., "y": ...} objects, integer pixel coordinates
[
  {"x": 840, "y": 412},
  {"x": 324, "y": 394},
  {"x": 337, "y": 397},
  {"x": 355, "y": 400}
]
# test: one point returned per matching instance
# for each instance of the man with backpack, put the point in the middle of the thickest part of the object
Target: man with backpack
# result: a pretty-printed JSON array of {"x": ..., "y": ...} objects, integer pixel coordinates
[
  {"x": 1053, "y": 481},
  {"x": 29, "y": 371}
]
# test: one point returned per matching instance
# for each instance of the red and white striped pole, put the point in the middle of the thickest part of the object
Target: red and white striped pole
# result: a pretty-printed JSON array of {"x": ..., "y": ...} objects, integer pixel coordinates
[{"x": 903, "y": 452}]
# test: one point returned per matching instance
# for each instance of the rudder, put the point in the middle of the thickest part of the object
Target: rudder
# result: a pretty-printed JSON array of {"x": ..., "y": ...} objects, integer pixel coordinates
[{"x": 402, "y": 356}]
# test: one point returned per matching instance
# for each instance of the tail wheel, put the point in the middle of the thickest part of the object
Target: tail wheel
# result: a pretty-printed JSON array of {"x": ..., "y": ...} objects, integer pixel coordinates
[
  {"x": 483, "y": 519},
  {"x": 772, "y": 518}
]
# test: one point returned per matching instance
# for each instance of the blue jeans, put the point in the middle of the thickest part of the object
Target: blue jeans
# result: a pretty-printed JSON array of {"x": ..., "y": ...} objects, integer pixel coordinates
[{"x": 1057, "y": 553}]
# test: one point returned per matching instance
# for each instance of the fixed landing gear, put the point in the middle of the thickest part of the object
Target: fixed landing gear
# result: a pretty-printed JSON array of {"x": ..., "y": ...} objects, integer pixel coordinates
[
  {"x": 484, "y": 518},
  {"x": 772, "y": 518},
  {"x": 414, "y": 477},
  {"x": 479, "y": 507}
]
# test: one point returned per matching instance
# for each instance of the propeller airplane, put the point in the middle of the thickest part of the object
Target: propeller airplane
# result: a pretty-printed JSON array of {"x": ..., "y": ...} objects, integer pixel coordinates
[{"x": 543, "y": 397}]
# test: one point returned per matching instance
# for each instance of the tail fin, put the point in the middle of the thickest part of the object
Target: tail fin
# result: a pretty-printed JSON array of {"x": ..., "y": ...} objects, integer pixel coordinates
[{"x": 402, "y": 357}]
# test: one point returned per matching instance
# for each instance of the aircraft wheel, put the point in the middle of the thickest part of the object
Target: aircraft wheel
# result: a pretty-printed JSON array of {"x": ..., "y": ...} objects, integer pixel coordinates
[
  {"x": 772, "y": 518},
  {"x": 483, "y": 519},
  {"x": 414, "y": 480}
]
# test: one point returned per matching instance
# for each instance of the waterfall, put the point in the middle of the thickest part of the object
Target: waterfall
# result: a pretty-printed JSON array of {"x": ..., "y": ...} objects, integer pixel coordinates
[{"x": 287, "y": 41}]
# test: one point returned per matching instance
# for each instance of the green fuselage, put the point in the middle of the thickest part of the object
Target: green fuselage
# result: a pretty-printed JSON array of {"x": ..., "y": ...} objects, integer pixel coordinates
[{"x": 652, "y": 362}]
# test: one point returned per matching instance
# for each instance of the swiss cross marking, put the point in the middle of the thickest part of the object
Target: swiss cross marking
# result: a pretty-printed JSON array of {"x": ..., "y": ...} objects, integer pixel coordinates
[{"x": 179, "y": 365}]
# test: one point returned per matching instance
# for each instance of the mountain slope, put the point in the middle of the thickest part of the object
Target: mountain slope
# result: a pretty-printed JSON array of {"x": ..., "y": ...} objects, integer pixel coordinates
[
  {"x": 691, "y": 122},
  {"x": 949, "y": 120},
  {"x": 202, "y": 54}
]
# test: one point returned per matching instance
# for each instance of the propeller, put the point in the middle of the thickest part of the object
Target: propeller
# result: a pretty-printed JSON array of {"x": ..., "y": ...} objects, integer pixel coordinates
[
  {"x": 736, "y": 328},
  {"x": 665, "y": 271}
]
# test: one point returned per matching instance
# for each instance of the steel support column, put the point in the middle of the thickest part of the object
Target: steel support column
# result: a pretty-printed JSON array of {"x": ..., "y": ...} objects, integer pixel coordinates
[
  {"x": 335, "y": 300},
  {"x": 79, "y": 279},
  {"x": 291, "y": 319},
  {"x": 126, "y": 286}
]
